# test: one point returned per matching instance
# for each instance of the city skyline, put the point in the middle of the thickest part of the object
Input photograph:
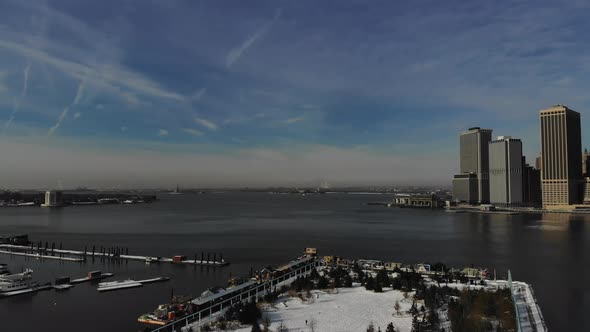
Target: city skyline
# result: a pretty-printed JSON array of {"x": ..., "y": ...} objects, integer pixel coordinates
[{"x": 352, "y": 94}]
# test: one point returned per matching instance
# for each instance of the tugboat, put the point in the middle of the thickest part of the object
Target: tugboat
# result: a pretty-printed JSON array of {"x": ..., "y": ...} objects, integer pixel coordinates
[{"x": 180, "y": 306}]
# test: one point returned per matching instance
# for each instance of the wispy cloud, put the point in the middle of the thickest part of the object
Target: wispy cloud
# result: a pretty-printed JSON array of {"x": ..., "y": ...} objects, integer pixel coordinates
[
  {"x": 66, "y": 110},
  {"x": 198, "y": 94},
  {"x": 19, "y": 100},
  {"x": 293, "y": 120},
  {"x": 206, "y": 123},
  {"x": 77, "y": 115},
  {"x": 109, "y": 76},
  {"x": 237, "y": 52},
  {"x": 192, "y": 131},
  {"x": 162, "y": 132},
  {"x": 123, "y": 129}
]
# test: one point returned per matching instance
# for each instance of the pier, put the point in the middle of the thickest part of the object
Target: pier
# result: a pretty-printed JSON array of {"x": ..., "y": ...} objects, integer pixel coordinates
[
  {"x": 39, "y": 255},
  {"x": 114, "y": 253},
  {"x": 250, "y": 291}
]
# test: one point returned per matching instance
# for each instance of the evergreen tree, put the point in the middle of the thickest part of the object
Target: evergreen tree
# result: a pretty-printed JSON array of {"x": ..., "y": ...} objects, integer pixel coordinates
[
  {"x": 396, "y": 283},
  {"x": 369, "y": 283},
  {"x": 348, "y": 281},
  {"x": 383, "y": 279},
  {"x": 378, "y": 288},
  {"x": 390, "y": 328},
  {"x": 255, "y": 328},
  {"x": 414, "y": 309},
  {"x": 371, "y": 328},
  {"x": 415, "y": 324},
  {"x": 323, "y": 283}
]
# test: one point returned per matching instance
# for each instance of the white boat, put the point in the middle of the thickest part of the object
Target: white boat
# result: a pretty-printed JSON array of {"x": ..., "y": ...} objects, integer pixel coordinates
[
  {"x": 149, "y": 260},
  {"x": 16, "y": 282}
]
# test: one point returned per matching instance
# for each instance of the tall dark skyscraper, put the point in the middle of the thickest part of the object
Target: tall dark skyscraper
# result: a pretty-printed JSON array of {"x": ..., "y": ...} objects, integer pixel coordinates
[
  {"x": 561, "y": 148},
  {"x": 474, "y": 158}
]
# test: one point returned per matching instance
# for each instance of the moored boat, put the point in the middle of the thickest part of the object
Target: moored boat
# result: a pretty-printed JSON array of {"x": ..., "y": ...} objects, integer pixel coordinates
[
  {"x": 17, "y": 282},
  {"x": 180, "y": 306}
]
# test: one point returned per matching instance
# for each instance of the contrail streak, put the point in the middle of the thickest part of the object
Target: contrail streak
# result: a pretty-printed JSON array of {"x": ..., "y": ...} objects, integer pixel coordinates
[
  {"x": 237, "y": 52},
  {"x": 66, "y": 110},
  {"x": 18, "y": 101}
]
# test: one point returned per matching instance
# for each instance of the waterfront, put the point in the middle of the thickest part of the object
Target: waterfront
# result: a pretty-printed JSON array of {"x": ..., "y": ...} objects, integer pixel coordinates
[{"x": 550, "y": 251}]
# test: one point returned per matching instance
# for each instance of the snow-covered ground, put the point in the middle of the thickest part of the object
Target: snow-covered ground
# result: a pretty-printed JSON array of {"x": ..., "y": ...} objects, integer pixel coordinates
[{"x": 348, "y": 309}]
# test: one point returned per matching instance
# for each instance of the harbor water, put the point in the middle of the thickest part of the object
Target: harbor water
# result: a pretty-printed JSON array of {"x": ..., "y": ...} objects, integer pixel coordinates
[{"x": 549, "y": 251}]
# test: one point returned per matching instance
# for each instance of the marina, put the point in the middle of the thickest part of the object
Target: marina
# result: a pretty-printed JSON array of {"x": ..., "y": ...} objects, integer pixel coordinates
[
  {"x": 106, "y": 253},
  {"x": 217, "y": 300}
]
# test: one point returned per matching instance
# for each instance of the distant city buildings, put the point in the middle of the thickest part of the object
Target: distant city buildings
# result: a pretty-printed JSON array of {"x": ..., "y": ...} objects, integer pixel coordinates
[
  {"x": 505, "y": 158},
  {"x": 496, "y": 171},
  {"x": 561, "y": 149}
]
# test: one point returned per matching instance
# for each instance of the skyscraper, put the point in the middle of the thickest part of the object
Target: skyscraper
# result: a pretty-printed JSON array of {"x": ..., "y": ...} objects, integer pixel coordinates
[
  {"x": 561, "y": 148},
  {"x": 586, "y": 163},
  {"x": 531, "y": 185},
  {"x": 506, "y": 171},
  {"x": 474, "y": 158}
]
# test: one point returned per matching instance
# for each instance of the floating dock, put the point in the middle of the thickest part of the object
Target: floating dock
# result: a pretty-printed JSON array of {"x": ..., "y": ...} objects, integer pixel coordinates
[
  {"x": 125, "y": 284},
  {"x": 80, "y": 256},
  {"x": 92, "y": 276},
  {"x": 41, "y": 256},
  {"x": 26, "y": 291}
]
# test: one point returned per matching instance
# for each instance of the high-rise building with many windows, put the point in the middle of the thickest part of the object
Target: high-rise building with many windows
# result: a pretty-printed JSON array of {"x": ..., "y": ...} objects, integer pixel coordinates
[
  {"x": 506, "y": 172},
  {"x": 474, "y": 159},
  {"x": 561, "y": 148}
]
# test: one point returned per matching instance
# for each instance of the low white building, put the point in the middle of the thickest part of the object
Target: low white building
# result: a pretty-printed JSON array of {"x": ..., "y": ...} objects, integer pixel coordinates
[{"x": 53, "y": 198}]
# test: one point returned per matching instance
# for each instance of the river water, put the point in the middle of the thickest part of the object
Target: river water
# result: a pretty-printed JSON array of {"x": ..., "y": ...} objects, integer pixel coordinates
[{"x": 550, "y": 251}]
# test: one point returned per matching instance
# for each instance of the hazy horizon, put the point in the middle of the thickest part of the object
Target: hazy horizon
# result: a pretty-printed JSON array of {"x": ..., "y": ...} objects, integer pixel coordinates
[{"x": 270, "y": 93}]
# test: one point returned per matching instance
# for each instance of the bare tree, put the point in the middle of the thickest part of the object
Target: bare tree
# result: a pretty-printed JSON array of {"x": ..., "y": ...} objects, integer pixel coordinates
[{"x": 397, "y": 307}]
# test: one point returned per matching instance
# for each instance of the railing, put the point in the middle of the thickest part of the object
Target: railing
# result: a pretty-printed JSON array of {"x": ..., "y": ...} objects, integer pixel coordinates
[{"x": 205, "y": 315}]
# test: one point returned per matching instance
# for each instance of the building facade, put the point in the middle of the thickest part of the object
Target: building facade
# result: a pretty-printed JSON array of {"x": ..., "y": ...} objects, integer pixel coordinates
[
  {"x": 561, "y": 148},
  {"x": 53, "y": 198},
  {"x": 474, "y": 158},
  {"x": 465, "y": 188},
  {"x": 586, "y": 163},
  {"x": 505, "y": 158},
  {"x": 539, "y": 162},
  {"x": 427, "y": 201},
  {"x": 531, "y": 185}
]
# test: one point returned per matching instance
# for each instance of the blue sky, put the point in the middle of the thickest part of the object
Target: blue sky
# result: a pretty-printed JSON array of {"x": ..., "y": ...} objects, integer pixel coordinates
[{"x": 276, "y": 92}]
